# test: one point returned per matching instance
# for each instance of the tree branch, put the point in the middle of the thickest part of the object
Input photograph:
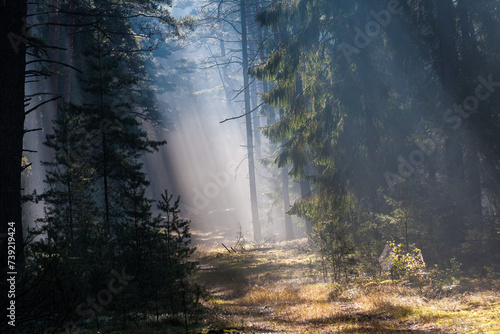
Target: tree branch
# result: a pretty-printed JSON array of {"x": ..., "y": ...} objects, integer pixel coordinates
[
  {"x": 44, "y": 102},
  {"x": 243, "y": 115}
]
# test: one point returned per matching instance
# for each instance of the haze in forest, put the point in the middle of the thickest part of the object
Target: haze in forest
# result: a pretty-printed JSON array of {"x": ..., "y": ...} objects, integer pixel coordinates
[{"x": 217, "y": 165}]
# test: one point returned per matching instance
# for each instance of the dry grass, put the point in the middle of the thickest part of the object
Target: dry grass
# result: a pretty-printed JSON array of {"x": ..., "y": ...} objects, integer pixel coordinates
[
  {"x": 273, "y": 295},
  {"x": 277, "y": 289}
]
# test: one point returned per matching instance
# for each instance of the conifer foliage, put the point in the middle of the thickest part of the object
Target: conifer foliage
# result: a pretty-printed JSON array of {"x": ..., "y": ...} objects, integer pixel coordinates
[
  {"x": 383, "y": 101},
  {"x": 101, "y": 250}
]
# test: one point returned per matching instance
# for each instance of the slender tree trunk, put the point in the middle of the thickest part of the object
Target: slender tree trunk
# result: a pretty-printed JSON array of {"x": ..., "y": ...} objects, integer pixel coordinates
[
  {"x": 268, "y": 111},
  {"x": 50, "y": 111},
  {"x": 225, "y": 77},
  {"x": 67, "y": 99},
  {"x": 256, "y": 120},
  {"x": 69, "y": 176},
  {"x": 253, "y": 93},
  {"x": 453, "y": 146},
  {"x": 286, "y": 203},
  {"x": 472, "y": 164},
  {"x": 270, "y": 114},
  {"x": 305, "y": 185},
  {"x": 257, "y": 234},
  {"x": 12, "y": 82},
  {"x": 285, "y": 191},
  {"x": 104, "y": 145},
  {"x": 54, "y": 40},
  {"x": 69, "y": 52},
  {"x": 305, "y": 191}
]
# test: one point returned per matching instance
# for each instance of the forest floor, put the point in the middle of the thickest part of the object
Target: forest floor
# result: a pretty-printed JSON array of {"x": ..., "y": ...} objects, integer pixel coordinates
[{"x": 277, "y": 288}]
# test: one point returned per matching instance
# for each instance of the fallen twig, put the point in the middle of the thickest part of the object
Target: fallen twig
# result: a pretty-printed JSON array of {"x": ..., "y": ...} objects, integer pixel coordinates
[{"x": 226, "y": 248}]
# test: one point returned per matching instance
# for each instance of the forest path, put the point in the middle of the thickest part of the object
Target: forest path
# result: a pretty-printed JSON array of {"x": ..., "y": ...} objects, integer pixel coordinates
[{"x": 277, "y": 289}]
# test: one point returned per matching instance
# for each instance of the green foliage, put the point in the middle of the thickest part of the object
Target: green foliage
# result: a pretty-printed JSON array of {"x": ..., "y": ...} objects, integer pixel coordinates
[
  {"x": 99, "y": 252},
  {"x": 335, "y": 249},
  {"x": 175, "y": 229},
  {"x": 372, "y": 121},
  {"x": 173, "y": 253},
  {"x": 409, "y": 265},
  {"x": 447, "y": 276}
]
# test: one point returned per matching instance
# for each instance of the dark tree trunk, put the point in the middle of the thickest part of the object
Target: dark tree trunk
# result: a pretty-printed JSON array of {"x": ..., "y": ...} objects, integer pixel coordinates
[
  {"x": 69, "y": 52},
  {"x": 12, "y": 70},
  {"x": 471, "y": 163},
  {"x": 104, "y": 145},
  {"x": 454, "y": 231}
]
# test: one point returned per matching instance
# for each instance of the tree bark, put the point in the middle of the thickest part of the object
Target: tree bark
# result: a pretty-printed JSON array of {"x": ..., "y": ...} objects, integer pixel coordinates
[
  {"x": 69, "y": 52},
  {"x": 454, "y": 231},
  {"x": 257, "y": 234},
  {"x": 270, "y": 114},
  {"x": 256, "y": 121},
  {"x": 13, "y": 41},
  {"x": 104, "y": 145},
  {"x": 305, "y": 191},
  {"x": 225, "y": 77},
  {"x": 254, "y": 91},
  {"x": 471, "y": 163},
  {"x": 286, "y": 203}
]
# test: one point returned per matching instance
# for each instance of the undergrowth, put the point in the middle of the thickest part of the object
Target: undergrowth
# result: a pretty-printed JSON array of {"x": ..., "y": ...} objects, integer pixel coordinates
[{"x": 279, "y": 288}]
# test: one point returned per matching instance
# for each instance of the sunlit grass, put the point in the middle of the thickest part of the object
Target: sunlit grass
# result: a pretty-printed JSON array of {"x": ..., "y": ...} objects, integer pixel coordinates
[
  {"x": 273, "y": 295},
  {"x": 278, "y": 289},
  {"x": 475, "y": 313}
]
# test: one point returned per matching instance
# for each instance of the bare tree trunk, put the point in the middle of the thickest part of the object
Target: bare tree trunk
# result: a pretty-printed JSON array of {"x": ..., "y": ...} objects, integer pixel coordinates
[
  {"x": 54, "y": 40},
  {"x": 254, "y": 91},
  {"x": 257, "y": 234},
  {"x": 256, "y": 121},
  {"x": 224, "y": 76},
  {"x": 286, "y": 203},
  {"x": 104, "y": 144},
  {"x": 69, "y": 52}
]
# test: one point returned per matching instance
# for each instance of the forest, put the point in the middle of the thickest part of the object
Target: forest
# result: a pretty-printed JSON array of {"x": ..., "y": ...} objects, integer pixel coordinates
[{"x": 249, "y": 166}]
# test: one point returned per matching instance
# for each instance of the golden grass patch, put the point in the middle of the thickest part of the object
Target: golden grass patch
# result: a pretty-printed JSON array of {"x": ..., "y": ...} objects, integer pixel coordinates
[
  {"x": 278, "y": 289},
  {"x": 275, "y": 295},
  {"x": 475, "y": 313},
  {"x": 314, "y": 312}
]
